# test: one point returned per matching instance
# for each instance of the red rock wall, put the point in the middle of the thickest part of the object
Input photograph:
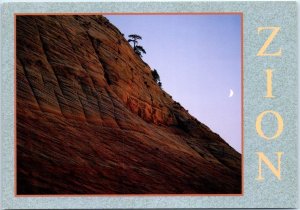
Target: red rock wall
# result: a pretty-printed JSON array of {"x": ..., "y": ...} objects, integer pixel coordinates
[{"x": 91, "y": 119}]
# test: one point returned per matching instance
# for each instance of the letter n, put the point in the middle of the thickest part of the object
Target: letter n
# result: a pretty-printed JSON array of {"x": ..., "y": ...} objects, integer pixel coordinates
[{"x": 263, "y": 158}]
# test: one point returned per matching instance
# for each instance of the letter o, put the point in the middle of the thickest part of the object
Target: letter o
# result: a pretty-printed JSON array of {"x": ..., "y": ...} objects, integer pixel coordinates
[{"x": 279, "y": 124}]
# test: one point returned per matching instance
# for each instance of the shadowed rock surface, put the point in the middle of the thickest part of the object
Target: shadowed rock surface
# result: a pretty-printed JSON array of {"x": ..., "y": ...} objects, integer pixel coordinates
[{"x": 91, "y": 119}]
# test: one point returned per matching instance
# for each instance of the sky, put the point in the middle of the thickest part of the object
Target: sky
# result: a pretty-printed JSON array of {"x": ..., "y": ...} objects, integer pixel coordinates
[{"x": 198, "y": 58}]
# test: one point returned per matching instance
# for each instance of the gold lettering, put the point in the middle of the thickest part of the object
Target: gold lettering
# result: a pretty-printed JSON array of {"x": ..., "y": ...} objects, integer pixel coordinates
[
  {"x": 279, "y": 124},
  {"x": 262, "y": 51},
  {"x": 263, "y": 158},
  {"x": 269, "y": 73}
]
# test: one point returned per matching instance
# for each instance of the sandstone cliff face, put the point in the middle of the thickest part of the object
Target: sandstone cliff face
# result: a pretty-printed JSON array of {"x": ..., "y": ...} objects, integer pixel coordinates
[{"x": 91, "y": 119}]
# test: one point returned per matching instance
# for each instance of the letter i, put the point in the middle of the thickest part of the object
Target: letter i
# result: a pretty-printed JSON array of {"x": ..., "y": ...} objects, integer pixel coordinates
[{"x": 269, "y": 73}]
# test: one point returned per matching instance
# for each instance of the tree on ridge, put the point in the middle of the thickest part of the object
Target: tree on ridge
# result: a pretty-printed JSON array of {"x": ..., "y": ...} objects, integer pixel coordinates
[{"x": 138, "y": 49}]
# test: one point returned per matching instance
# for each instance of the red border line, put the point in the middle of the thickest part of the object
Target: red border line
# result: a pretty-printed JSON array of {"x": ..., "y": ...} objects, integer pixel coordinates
[{"x": 129, "y": 13}]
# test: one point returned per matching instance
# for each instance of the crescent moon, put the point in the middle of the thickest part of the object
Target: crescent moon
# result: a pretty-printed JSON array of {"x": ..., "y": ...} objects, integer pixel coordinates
[{"x": 231, "y": 93}]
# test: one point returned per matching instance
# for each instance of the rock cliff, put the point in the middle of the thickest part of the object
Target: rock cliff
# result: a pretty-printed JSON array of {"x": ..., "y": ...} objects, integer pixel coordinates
[{"x": 91, "y": 119}]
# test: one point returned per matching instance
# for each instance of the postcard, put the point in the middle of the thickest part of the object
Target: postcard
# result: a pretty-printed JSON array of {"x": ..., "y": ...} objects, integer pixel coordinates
[{"x": 114, "y": 105}]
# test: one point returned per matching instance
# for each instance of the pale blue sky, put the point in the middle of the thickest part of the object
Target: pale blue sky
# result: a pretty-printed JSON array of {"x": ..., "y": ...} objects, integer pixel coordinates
[{"x": 198, "y": 58}]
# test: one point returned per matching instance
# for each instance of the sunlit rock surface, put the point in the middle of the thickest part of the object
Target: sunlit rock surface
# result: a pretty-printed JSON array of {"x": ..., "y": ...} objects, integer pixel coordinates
[{"x": 91, "y": 119}]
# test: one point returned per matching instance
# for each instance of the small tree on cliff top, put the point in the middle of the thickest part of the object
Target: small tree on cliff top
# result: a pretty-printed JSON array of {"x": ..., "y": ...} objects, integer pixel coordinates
[
  {"x": 136, "y": 47},
  {"x": 134, "y": 38}
]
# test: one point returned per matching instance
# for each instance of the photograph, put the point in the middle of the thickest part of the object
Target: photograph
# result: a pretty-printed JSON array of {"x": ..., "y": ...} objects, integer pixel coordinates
[{"x": 129, "y": 104}]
